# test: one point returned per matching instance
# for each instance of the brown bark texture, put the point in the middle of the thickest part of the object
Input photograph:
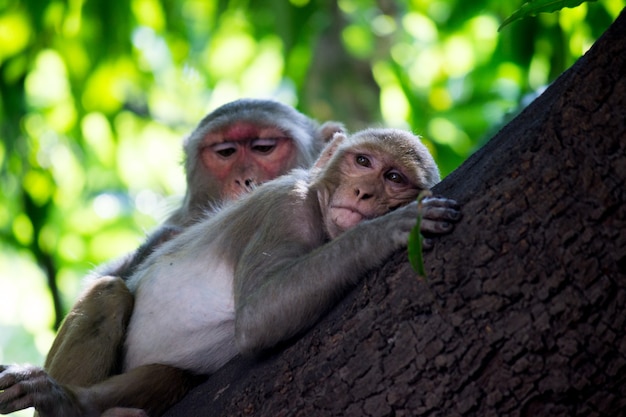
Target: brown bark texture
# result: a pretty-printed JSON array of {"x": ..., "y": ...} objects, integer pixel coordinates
[{"x": 523, "y": 312}]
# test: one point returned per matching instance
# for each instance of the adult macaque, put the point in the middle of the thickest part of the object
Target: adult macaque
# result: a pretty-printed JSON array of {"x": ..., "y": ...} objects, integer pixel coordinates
[
  {"x": 262, "y": 270},
  {"x": 237, "y": 146},
  {"x": 234, "y": 148}
]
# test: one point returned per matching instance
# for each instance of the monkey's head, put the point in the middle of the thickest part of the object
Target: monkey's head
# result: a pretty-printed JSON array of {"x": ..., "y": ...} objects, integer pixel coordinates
[
  {"x": 245, "y": 143},
  {"x": 369, "y": 174}
]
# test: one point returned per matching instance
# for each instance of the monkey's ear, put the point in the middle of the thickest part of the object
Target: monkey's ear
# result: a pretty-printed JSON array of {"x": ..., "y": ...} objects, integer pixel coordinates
[
  {"x": 329, "y": 150},
  {"x": 328, "y": 130}
]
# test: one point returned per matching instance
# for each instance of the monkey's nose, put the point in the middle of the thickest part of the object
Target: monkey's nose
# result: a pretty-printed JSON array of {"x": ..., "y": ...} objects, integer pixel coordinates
[
  {"x": 245, "y": 183},
  {"x": 362, "y": 195}
]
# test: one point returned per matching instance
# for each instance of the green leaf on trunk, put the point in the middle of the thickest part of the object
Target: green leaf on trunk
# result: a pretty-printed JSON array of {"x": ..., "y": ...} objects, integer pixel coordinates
[{"x": 415, "y": 239}]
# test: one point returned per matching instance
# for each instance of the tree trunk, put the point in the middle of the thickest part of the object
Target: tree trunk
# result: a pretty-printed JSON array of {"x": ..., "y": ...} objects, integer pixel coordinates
[{"x": 524, "y": 309}]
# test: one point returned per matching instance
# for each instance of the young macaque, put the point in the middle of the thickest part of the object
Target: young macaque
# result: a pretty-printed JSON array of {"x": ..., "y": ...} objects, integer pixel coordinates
[{"x": 260, "y": 271}]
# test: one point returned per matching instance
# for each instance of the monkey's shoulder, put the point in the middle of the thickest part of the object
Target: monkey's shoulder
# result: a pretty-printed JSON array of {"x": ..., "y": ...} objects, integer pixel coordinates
[
  {"x": 284, "y": 209},
  {"x": 277, "y": 210},
  {"x": 290, "y": 190}
]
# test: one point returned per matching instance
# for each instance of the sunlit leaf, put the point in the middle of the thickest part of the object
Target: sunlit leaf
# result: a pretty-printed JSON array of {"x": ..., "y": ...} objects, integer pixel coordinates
[
  {"x": 533, "y": 7},
  {"x": 459, "y": 55},
  {"x": 102, "y": 92},
  {"x": 149, "y": 13},
  {"x": 358, "y": 40},
  {"x": 47, "y": 83},
  {"x": 97, "y": 132},
  {"x": 15, "y": 33},
  {"x": 38, "y": 185},
  {"x": 23, "y": 229},
  {"x": 112, "y": 243}
]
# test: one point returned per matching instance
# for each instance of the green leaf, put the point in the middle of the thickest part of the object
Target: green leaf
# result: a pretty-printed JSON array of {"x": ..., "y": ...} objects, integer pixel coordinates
[
  {"x": 415, "y": 240},
  {"x": 533, "y": 7}
]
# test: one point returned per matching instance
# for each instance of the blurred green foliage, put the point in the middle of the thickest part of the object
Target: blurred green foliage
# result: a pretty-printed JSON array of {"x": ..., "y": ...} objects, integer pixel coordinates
[{"x": 96, "y": 96}]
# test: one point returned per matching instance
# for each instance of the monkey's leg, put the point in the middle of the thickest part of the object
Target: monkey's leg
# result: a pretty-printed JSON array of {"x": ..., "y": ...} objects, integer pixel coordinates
[
  {"x": 151, "y": 388},
  {"x": 147, "y": 390},
  {"x": 88, "y": 347}
]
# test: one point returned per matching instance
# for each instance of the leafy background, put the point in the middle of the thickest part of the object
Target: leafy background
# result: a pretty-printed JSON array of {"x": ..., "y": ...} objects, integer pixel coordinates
[{"x": 97, "y": 95}]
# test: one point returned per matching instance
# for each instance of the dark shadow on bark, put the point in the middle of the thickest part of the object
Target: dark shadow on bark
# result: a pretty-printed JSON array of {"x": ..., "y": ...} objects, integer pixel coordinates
[{"x": 524, "y": 311}]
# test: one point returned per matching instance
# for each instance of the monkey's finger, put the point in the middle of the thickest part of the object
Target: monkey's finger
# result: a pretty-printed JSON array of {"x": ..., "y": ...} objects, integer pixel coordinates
[
  {"x": 7, "y": 378},
  {"x": 441, "y": 202},
  {"x": 14, "y": 398},
  {"x": 436, "y": 227},
  {"x": 435, "y": 213},
  {"x": 13, "y": 374},
  {"x": 13, "y": 406}
]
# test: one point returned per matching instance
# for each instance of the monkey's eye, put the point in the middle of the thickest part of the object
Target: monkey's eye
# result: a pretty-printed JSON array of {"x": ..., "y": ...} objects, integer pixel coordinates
[
  {"x": 363, "y": 161},
  {"x": 224, "y": 149},
  {"x": 395, "y": 177},
  {"x": 266, "y": 145}
]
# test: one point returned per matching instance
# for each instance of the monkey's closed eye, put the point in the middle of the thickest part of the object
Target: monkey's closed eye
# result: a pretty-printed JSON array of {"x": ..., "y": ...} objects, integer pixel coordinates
[
  {"x": 363, "y": 161},
  {"x": 224, "y": 149},
  {"x": 265, "y": 145},
  {"x": 226, "y": 152}
]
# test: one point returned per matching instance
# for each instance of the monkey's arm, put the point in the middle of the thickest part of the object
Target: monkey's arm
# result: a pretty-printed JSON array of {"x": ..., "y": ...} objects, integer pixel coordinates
[{"x": 297, "y": 285}]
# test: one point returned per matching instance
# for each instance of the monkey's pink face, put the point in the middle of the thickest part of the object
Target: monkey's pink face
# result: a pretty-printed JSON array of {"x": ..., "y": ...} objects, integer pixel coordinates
[
  {"x": 244, "y": 155},
  {"x": 371, "y": 186}
]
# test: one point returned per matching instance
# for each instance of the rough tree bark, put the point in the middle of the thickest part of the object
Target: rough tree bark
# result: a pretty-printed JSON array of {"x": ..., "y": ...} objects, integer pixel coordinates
[{"x": 524, "y": 309}]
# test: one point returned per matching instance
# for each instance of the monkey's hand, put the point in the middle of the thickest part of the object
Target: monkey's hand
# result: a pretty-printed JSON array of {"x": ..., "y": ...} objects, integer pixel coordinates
[
  {"x": 439, "y": 214},
  {"x": 30, "y": 386}
]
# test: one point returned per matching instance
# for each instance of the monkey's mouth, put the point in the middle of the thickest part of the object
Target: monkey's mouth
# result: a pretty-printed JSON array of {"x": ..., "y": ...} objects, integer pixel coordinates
[{"x": 347, "y": 217}]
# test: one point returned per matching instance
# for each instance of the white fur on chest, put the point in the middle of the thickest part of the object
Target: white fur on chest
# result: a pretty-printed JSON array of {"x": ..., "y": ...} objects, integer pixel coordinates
[{"x": 183, "y": 316}]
